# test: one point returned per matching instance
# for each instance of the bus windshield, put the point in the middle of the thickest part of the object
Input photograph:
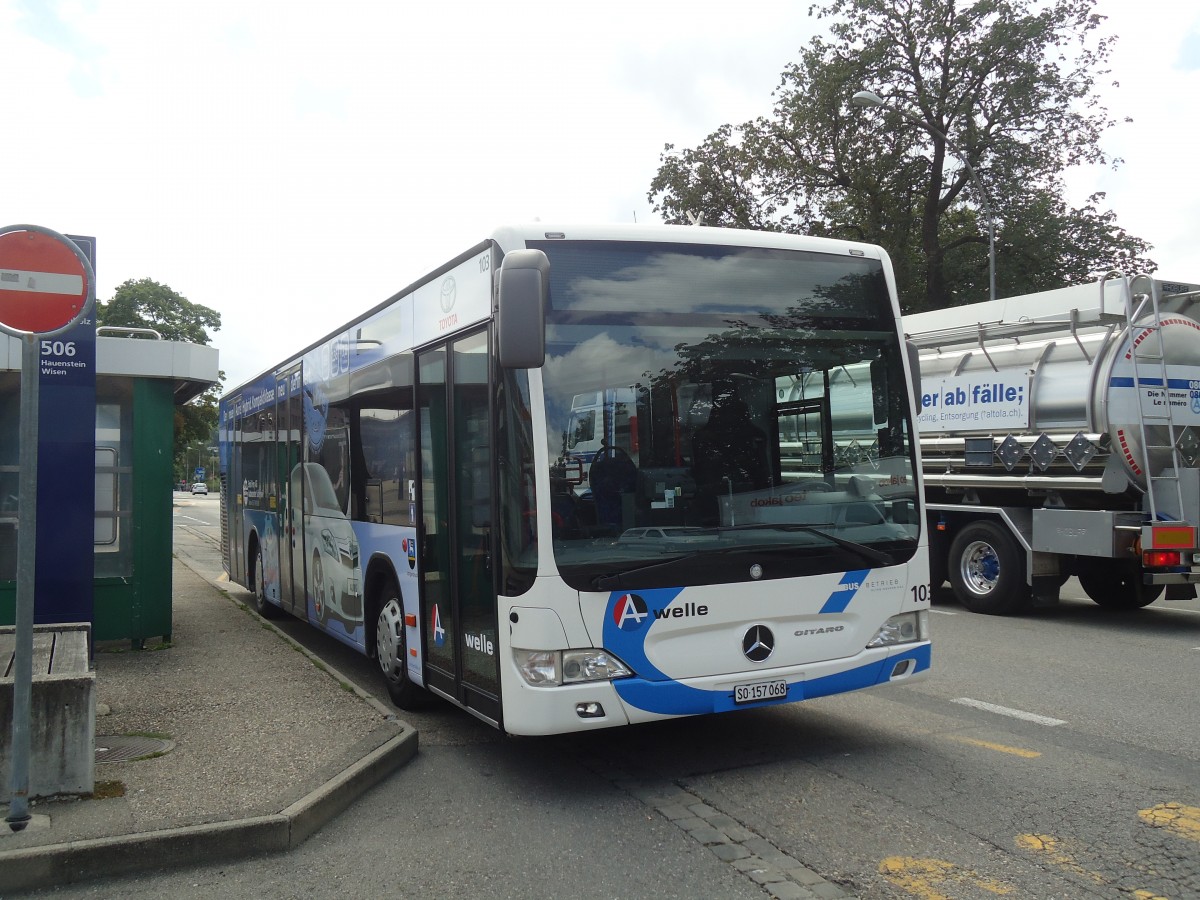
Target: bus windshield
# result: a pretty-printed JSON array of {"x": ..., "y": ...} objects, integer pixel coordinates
[{"x": 720, "y": 413}]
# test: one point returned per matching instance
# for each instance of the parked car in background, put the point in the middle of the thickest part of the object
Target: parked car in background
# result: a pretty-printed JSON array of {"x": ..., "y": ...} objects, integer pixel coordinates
[{"x": 200, "y": 488}]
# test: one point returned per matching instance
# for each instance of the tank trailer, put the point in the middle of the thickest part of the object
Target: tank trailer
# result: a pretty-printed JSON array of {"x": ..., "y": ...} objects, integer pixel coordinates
[{"x": 1060, "y": 436}]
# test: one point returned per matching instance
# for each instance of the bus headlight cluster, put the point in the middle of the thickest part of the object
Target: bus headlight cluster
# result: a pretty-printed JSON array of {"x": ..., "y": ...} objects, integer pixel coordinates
[
  {"x": 550, "y": 667},
  {"x": 906, "y": 628}
]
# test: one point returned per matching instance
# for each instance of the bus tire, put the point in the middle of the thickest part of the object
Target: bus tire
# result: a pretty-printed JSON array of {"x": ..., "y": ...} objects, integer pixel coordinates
[
  {"x": 391, "y": 651},
  {"x": 987, "y": 570},
  {"x": 262, "y": 605},
  {"x": 1118, "y": 587}
]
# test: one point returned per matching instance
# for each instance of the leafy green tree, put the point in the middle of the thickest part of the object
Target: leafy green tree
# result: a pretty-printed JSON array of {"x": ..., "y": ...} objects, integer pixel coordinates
[
  {"x": 145, "y": 303},
  {"x": 195, "y": 425},
  {"x": 1001, "y": 87}
]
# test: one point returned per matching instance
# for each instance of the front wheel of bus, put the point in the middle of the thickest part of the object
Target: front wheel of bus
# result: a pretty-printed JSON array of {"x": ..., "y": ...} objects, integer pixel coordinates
[
  {"x": 262, "y": 605},
  {"x": 987, "y": 571},
  {"x": 391, "y": 652}
]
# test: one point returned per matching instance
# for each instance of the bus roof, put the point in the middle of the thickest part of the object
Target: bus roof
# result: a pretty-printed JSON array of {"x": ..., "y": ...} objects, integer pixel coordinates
[{"x": 516, "y": 236}]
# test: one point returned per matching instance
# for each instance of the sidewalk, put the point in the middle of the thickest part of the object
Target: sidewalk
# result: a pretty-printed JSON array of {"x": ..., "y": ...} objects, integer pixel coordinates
[{"x": 241, "y": 745}]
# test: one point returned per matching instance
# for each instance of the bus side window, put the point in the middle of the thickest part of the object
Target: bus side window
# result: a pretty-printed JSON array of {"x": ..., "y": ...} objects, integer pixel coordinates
[{"x": 385, "y": 452}]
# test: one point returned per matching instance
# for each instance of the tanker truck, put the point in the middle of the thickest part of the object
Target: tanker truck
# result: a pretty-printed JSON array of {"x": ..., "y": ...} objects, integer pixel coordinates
[{"x": 1060, "y": 436}]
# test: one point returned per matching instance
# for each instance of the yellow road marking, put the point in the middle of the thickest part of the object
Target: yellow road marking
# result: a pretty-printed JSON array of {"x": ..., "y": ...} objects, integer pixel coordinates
[
  {"x": 999, "y": 748},
  {"x": 1056, "y": 852},
  {"x": 1175, "y": 817},
  {"x": 926, "y": 878}
]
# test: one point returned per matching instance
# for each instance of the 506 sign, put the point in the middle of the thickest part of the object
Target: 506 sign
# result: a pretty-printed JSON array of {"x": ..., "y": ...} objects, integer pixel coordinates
[{"x": 58, "y": 348}]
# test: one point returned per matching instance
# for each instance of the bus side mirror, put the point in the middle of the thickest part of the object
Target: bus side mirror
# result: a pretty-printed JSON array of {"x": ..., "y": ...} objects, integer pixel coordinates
[
  {"x": 914, "y": 367},
  {"x": 879, "y": 389},
  {"x": 521, "y": 309}
]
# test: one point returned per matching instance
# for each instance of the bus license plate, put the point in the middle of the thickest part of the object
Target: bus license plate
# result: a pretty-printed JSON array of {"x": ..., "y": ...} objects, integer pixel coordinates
[{"x": 762, "y": 690}]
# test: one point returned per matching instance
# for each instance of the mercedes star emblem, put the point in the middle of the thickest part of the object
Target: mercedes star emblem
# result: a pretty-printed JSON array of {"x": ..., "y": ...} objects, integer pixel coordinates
[{"x": 758, "y": 643}]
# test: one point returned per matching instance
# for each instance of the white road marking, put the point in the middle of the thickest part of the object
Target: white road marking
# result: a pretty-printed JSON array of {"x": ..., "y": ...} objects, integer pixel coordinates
[
  {"x": 1005, "y": 711},
  {"x": 944, "y": 612}
]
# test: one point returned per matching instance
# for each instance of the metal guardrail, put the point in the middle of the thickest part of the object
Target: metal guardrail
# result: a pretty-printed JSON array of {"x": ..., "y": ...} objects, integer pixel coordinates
[{"x": 123, "y": 331}]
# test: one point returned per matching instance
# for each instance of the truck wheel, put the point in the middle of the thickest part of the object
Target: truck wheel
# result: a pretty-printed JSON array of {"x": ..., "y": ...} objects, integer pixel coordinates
[
  {"x": 987, "y": 570},
  {"x": 1119, "y": 587},
  {"x": 392, "y": 654}
]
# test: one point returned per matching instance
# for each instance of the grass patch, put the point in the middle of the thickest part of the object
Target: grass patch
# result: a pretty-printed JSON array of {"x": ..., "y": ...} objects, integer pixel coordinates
[{"x": 108, "y": 790}]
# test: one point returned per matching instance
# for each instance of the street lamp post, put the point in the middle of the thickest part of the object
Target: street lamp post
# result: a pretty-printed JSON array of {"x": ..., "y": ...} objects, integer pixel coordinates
[{"x": 870, "y": 98}]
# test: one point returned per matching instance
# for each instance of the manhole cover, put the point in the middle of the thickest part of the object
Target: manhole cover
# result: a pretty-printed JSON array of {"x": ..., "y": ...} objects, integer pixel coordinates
[{"x": 112, "y": 748}]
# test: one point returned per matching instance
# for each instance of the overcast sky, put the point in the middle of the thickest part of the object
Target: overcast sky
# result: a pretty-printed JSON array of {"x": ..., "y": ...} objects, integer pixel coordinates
[{"x": 291, "y": 164}]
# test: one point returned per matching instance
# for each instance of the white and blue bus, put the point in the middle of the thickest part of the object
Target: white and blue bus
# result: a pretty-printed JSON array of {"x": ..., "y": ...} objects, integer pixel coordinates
[{"x": 584, "y": 477}]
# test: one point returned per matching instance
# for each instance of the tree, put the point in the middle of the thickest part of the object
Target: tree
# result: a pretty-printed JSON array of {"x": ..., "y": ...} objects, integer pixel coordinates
[
  {"x": 195, "y": 425},
  {"x": 145, "y": 303},
  {"x": 1005, "y": 86}
]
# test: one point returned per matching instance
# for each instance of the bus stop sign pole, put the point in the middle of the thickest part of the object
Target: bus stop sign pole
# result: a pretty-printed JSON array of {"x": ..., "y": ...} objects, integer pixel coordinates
[{"x": 46, "y": 287}]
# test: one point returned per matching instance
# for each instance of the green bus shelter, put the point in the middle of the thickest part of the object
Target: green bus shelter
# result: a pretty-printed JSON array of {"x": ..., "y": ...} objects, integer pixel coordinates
[{"x": 140, "y": 379}]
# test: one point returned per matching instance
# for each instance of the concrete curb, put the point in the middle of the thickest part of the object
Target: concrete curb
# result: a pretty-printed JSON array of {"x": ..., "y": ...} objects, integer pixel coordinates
[{"x": 40, "y": 867}]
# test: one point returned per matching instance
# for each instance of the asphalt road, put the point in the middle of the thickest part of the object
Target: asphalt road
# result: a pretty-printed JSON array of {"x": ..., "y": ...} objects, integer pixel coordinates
[{"x": 1052, "y": 755}]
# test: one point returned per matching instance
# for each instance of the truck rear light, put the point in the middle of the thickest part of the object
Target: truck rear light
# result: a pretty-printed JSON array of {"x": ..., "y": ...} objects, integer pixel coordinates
[
  {"x": 1159, "y": 559},
  {"x": 1182, "y": 537}
]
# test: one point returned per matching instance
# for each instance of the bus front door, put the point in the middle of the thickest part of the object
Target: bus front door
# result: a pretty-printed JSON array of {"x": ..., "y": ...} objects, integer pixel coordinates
[{"x": 458, "y": 598}]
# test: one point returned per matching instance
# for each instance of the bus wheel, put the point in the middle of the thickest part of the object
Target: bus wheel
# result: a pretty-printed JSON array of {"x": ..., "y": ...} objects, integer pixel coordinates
[
  {"x": 391, "y": 652},
  {"x": 262, "y": 605},
  {"x": 987, "y": 571},
  {"x": 1118, "y": 587}
]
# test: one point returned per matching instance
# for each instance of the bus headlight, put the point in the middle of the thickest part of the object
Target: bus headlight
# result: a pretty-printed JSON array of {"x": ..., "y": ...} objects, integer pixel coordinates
[
  {"x": 547, "y": 667},
  {"x": 592, "y": 665},
  {"x": 906, "y": 628}
]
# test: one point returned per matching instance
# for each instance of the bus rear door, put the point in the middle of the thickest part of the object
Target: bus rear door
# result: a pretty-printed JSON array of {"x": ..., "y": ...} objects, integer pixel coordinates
[{"x": 290, "y": 449}]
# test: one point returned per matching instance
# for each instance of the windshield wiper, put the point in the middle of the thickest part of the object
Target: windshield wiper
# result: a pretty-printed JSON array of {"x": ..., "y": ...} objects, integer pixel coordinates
[
  {"x": 617, "y": 579},
  {"x": 614, "y": 579},
  {"x": 879, "y": 557}
]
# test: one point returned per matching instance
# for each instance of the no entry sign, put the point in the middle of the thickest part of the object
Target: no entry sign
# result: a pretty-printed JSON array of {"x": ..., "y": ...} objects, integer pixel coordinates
[{"x": 44, "y": 280}]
